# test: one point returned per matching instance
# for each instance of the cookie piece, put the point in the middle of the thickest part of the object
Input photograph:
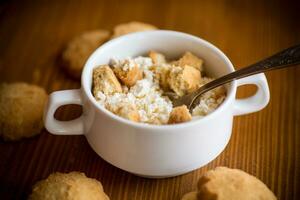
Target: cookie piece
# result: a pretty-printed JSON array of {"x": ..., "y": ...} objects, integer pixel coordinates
[
  {"x": 184, "y": 80},
  {"x": 129, "y": 77},
  {"x": 129, "y": 112},
  {"x": 190, "y": 59},
  {"x": 21, "y": 110},
  {"x": 179, "y": 114},
  {"x": 190, "y": 196},
  {"x": 105, "y": 81},
  {"x": 157, "y": 58},
  {"x": 68, "y": 186},
  {"x": 80, "y": 48},
  {"x": 223, "y": 183},
  {"x": 123, "y": 29}
]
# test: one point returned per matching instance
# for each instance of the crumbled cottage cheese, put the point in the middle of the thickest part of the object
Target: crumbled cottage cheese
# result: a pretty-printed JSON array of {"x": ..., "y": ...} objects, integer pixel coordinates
[{"x": 145, "y": 96}]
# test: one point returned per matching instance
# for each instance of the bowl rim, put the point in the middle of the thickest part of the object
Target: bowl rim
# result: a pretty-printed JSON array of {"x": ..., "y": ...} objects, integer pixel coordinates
[{"x": 85, "y": 88}]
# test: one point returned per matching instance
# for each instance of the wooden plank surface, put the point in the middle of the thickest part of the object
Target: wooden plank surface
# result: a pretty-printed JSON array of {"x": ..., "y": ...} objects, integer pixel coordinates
[{"x": 265, "y": 144}]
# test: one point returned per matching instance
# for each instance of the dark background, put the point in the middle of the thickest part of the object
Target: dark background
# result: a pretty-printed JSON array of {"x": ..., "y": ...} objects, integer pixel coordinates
[{"x": 265, "y": 144}]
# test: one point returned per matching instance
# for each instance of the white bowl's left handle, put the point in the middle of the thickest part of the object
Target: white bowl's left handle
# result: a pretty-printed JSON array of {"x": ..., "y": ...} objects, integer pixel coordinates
[
  {"x": 255, "y": 102},
  {"x": 57, "y": 99}
]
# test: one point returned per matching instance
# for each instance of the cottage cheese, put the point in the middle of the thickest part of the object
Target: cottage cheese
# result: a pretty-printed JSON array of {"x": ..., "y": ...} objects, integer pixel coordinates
[{"x": 146, "y": 94}]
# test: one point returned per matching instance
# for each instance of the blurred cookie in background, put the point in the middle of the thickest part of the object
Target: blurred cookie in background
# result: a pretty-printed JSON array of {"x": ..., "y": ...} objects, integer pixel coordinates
[
  {"x": 123, "y": 29},
  {"x": 21, "y": 110},
  {"x": 190, "y": 196},
  {"x": 68, "y": 186},
  {"x": 80, "y": 48}
]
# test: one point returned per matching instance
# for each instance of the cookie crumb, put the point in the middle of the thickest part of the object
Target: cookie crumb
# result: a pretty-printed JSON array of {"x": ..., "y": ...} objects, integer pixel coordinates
[
  {"x": 184, "y": 80},
  {"x": 180, "y": 114},
  {"x": 157, "y": 58},
  {"x": 129, "y": 77},
  {"x": 190, "y": 59},
  {"x": 129, "y": 112}
]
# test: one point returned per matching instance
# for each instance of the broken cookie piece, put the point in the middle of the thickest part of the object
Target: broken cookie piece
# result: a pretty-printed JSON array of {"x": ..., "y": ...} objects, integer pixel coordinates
[
  {"x": 184, "y": 80},
  {"x": 180, "y": 114},
  {"x": 157, "y": 58},
  {"x": 129, "y": 112},
  {"x": 191, "y": 60},
  {"x": 105, "y": 81},
  {"x": 129, "y": 77}
]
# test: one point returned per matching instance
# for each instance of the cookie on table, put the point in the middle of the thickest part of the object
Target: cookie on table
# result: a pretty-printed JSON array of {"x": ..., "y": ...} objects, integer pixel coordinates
[
  {"x": 224, "y": 183},
  {"x": 190, "y": 196},
  {"x": 68, "y": 186},
  {"x": 80, "y": 48},
  {"x": 21, "y": 110},
  {"x": 123, "y": 29}
]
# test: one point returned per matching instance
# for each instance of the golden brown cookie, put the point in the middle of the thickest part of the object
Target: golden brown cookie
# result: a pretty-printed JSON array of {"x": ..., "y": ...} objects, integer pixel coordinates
[
  {"x": 223, "y": 183},
  {"x": 184, "y": 80},
  {"x": 190, "y": 196},
  {"x": 123, "y": 29},
  {"x": 68, "y": 186},
  {"x": 179, "y": 114},
  {"x": 105, "y": 81},
  {"x": 21, "y": 110},
  {"x": 80, "y": 48}
]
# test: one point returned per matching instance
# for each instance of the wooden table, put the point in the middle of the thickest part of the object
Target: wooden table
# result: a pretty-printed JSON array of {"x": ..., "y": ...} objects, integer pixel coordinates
[{"x": 265, "y": 144}]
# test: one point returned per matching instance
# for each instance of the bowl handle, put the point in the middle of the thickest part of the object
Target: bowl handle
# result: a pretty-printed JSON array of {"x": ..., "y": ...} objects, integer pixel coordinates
[
  {"x": 256, "y": 102},
  {"x": 57, "y": 99}
]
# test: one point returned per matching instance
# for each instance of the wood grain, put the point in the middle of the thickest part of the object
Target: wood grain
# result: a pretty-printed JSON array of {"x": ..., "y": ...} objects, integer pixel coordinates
[{"x": 265, "y": 144}]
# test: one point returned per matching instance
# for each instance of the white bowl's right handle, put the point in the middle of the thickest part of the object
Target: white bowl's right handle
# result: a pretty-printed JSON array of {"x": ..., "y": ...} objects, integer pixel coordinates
[
  {"x": 57, "y": 99},
  {"x": 255, "y": 102}
]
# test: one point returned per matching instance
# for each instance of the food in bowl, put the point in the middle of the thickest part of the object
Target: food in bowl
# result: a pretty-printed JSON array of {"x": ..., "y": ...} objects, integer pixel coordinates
[{"x": 133, "y": 88}]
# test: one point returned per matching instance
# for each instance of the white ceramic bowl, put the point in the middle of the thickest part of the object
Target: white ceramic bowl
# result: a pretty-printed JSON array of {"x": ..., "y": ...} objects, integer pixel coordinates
[{"x": 152, "y": 150}]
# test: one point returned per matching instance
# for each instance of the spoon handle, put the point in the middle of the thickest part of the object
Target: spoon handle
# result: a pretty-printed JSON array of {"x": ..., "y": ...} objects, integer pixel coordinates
[{"x": 285, "y": 58}]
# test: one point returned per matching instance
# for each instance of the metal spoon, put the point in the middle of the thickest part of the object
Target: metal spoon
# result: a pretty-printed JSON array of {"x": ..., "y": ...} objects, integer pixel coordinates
[{"x": 285, "y": 58}]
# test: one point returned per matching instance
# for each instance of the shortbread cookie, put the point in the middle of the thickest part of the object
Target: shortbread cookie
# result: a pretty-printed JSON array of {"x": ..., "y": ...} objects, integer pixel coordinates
[
  {"x": 223, "y": 183},
  {"x": 123, "y": 29},
  {"x": 129, "y": 77},
  {"x": 180, "y": 114},
  {"x": 21, "y": 110},
  {"x": 105, "y": 81},
  {"x": 80, "y": 48},
  {"x": 184, "y": 80},
  {"x": 157, "y": 58},
  {"x": 68, "y": 186},
  {"x": 191, "y": 60},
  {"x": 191, "y": 196}
]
